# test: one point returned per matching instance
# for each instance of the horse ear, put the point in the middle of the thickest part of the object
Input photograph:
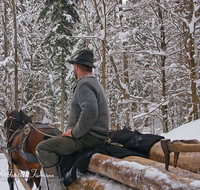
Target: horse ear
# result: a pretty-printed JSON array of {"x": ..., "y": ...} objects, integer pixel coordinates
[
  {"x": 21, "y": 114},
  {"x": 7, "y": 114},
  {"x": 11, "y": 118},
  {"x": 31, "y": 116}
]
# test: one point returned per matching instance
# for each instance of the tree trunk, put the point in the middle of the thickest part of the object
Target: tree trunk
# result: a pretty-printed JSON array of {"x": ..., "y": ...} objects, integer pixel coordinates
[
  {"x": 15, "y": 55},
  {"x": 62, "y": 95},
  {"x": 33, "y": 79},
  {"x": 126, "y": 76},
  {"x": 4, "y": 19},
  {"x": 104, "y": 50},
  {"x": 189, "y": 32},
  {"x": 163, "y": 74},
  {"x": 192, "y": 65},
  {"x": 126, "y": 81}
]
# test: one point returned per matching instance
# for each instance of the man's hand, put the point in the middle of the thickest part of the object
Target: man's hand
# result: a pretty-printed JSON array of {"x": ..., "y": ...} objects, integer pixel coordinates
[{"x": 67, "y": 133}]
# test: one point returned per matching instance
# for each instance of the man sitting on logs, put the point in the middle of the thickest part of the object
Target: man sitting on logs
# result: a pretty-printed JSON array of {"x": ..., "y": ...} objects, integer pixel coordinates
[{"x": 88, "y": 121}]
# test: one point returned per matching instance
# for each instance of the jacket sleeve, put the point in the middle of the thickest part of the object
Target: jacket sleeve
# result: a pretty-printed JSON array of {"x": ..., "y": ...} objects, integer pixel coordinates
[{"x": 88, "y": 102}]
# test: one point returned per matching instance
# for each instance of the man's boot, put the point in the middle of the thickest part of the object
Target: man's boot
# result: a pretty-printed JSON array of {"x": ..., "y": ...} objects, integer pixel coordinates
[{"x": 53, "y": 179}]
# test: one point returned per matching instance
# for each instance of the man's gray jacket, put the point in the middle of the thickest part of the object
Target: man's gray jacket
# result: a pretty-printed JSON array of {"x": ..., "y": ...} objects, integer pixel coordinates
[{"x": 89, "y": 110}]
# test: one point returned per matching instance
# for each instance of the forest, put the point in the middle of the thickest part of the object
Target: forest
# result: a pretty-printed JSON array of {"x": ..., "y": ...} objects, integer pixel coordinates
[{"x": 147, "y": 54}]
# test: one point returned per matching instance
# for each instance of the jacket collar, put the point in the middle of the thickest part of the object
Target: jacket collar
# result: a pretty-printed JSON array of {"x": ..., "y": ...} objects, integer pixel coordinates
[{"x": 85, "y": 76}]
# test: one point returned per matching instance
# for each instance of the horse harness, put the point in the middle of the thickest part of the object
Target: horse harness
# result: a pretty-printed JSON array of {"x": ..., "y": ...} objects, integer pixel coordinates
[{"x": 26, "y": 129}]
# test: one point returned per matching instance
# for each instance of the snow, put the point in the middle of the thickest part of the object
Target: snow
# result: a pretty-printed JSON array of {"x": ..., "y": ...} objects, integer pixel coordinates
[
  {"x": 187, "y": 131},
  {"x": 4, "y": 174},
  {"x": 123, "y": 35},
  {"x": 56, "y": 27},
  {"x": 7, "y": 60},
  {"x": 68, "y": 17}
]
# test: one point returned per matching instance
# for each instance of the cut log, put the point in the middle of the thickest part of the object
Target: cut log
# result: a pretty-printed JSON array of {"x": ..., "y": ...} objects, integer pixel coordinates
[
  {"x": 187, "y": 160},
  {"x": 140, "y": 173}
]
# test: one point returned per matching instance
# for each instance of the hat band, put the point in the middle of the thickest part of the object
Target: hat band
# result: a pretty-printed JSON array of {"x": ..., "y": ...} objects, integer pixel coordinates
[{"x": 81, "y": 60}]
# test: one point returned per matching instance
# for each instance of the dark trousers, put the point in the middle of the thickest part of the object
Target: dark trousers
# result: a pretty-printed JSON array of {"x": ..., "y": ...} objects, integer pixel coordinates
[{"x": 49, "y": 151}]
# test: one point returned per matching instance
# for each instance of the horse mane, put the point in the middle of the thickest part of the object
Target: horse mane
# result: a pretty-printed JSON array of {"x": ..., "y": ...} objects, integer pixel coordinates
[{"x": 14, "y": 113}]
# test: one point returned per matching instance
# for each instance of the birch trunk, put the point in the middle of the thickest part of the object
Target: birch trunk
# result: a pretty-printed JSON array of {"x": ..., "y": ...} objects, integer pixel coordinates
[{"x": 163, "y": 74}]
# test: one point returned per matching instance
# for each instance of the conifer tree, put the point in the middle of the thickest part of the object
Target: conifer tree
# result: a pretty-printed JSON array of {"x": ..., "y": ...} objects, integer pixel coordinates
[{"x": 59, "y": 18}]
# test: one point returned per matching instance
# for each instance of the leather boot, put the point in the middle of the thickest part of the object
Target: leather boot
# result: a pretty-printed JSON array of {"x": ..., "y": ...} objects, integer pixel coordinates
[{"x": 53, "y": 179}]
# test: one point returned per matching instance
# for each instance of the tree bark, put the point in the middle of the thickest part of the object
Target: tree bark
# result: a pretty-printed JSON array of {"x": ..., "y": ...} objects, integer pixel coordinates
[
  {"x": 141, "y": 173},
  {"x": 192, "y": 65},
  {"x": 163, "y": 74},
  {"x": 62, "y": 96},
  {"x": 126, "y": 75},
  {"x": 190, "y": 52},
  {"x": 104, "y": 50},
  {"x": 15, "y": 55},
  {"x": 4, "y": 19},
  {"x": 33, "y": 79}
]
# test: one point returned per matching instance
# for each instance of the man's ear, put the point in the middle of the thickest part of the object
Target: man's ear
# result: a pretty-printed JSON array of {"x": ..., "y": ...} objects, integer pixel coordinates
[{"x": 76, "y": 67}]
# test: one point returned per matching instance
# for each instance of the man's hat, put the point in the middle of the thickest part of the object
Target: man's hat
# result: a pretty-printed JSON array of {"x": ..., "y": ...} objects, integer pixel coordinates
[{"x": 85, "y": 57}]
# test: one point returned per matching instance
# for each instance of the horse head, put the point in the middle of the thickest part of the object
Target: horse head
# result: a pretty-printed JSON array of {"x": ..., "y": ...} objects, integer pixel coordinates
[{"x": 15, "y": 120}]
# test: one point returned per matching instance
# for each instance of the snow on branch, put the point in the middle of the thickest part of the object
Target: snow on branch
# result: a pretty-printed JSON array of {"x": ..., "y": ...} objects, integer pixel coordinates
[
  {"x": 7, "y": 60},
  {"x": 158, "y": 106}
]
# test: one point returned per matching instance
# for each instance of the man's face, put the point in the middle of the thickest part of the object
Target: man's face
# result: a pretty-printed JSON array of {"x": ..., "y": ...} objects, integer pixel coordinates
[{"x": 75, "y": 73}]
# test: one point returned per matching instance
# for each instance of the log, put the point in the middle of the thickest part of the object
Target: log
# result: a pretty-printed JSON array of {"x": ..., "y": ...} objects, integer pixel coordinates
[
  {"x": 18, "y": 173},
  {"x": 187, "y": 160},
  {"x": 140, "y": 173}
]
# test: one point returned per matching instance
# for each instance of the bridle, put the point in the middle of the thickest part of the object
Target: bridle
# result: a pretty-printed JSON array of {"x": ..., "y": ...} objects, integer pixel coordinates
[{"x": 12, "y": 120}]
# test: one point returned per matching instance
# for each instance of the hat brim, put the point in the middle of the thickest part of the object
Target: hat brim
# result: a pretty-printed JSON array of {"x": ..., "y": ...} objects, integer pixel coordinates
[
  {"x": 73, "y": 61},
  {"x": 85, "y": 63}
]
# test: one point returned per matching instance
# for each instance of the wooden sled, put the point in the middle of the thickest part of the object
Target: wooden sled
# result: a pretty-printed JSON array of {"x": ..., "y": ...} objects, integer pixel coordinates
[{"x": 188, "y": 154}]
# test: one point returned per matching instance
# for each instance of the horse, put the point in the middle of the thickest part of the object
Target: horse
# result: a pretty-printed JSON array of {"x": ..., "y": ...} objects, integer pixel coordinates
[{"x": 22, "y": 137}]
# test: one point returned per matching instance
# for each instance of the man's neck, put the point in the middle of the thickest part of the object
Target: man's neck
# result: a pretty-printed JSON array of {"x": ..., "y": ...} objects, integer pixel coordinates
[{"x": 83, "y": 74}]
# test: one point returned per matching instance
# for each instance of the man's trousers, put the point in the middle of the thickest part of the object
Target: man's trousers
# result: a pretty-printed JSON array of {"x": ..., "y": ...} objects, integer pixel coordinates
[{"x": 49, "y": 151}]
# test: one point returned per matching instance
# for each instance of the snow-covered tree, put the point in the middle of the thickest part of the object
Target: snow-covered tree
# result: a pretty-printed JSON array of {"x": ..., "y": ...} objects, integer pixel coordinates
[{"x": 59, "y": 18}]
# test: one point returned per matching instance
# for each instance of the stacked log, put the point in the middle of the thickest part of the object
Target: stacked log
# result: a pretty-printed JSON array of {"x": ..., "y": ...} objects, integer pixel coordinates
[{"x": 140, "y": 173}]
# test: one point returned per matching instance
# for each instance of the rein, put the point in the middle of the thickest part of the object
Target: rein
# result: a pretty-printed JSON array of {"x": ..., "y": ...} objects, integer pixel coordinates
[
  {"x": 15, "y": 132},
  {"x": 25, "y": 130},
  {"x": 41, "y": 131},
  {"x": 22, "y": 126}
]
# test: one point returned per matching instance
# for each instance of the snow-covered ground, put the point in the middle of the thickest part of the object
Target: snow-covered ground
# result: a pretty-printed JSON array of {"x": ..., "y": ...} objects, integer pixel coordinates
[{"x": 188, "y": 131}]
